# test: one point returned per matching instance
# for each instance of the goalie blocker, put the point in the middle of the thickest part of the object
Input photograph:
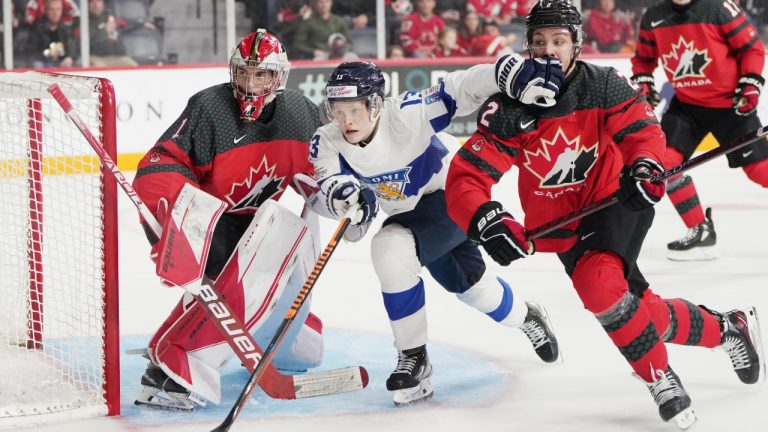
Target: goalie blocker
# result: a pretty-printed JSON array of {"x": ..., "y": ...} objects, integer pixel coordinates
[{"x": 263, "y": 275}]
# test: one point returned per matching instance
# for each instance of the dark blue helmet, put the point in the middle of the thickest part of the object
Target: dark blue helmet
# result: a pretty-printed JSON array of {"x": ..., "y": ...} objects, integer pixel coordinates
[
  {"x": 354, "y": 80},
  {"x": 554, "y": 13}
]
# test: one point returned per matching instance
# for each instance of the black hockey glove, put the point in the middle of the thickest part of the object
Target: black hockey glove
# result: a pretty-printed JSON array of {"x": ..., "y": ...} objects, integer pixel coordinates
[
  {"x": 344, "y": 191},
  {"x": 534, "y": 81},
  {"x": 636, "y": 191},
  {"x": 747, "y": 94},
  {"x": 502, "y": 237},
  {"x": 647, "y": 88}
]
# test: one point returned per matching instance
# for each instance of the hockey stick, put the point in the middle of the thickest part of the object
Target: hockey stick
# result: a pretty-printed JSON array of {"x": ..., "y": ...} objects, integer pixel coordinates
[
  {"x": 677, "y": 169},
  {"x": 275, "y": 384},
  {"x": 242, "y": 399}
]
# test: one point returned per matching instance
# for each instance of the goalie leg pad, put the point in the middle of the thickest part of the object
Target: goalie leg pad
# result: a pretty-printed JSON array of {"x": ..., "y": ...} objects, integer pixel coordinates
[{"x": 274, "y": 249}]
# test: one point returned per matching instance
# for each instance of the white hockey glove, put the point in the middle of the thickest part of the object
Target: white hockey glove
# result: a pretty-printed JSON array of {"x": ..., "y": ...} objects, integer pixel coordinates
[
  {"x": 533, "y": 81},
  {"x": 344, "y": 191}
]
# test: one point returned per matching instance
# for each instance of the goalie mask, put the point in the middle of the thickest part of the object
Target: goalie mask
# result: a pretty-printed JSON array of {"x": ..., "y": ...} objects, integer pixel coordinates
[
  {"x": 555, "y": 13},
  {"x": 258, "y": 71},
  {"x": 355, "y": 81}
]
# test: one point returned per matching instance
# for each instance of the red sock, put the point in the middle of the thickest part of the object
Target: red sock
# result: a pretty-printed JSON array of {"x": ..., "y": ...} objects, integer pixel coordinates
[
  {"x": 691, "y": 325},
  {"x": 599, "y": 281},
  {"x": 682, "y": 191},
  {"x": 758, "y": 172}
]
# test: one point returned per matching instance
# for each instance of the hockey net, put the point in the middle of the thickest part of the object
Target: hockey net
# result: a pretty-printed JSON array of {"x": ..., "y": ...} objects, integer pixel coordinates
[{"x": 58, "y": 253}]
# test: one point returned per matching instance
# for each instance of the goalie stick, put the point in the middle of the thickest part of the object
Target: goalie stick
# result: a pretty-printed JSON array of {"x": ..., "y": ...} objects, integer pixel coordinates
[
  {"x": 275, "y": 384},
  {"x": 286, "y": 324},
  {"x": 677, "y": 169}
]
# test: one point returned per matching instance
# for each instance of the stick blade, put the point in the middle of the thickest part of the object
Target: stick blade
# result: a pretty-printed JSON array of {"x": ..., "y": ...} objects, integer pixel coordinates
[{"x": 334, "y": 381}]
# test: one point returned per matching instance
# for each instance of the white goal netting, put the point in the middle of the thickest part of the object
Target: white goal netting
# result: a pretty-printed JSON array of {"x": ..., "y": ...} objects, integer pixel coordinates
[{"x": 54, "y": 253}]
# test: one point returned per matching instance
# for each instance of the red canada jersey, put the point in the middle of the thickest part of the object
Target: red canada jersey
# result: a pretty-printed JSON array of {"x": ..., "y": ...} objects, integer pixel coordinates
[
  {"x": 241, "y": 163},
  {"x": 703, "y": 50},
  {"x": 568, "y": 155},
  {"x": 418, "y": 35}
]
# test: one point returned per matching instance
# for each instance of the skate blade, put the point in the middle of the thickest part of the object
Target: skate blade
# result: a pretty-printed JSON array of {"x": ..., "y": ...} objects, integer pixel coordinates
[
  {"x": 559, "y": 359},
  {"x": 753, "y": 323},
  {"x": 154, "y": 398},
  {"x": 702, "y": 253},
  {"x": 684, "y": 419},
  {"x": 414, "y": 395}
]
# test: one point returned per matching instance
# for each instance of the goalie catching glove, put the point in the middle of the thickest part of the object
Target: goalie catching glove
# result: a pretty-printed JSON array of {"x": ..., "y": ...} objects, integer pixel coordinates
[
  {"x": 636, "y": 190},
  {"x": 345, "y": 191},
  {"x": 502, "y": 237},
  {"x": 533, "y": 81}
]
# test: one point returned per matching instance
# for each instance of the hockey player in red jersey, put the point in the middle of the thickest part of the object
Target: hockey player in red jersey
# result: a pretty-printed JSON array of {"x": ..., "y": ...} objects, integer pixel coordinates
[
  {"x": 599, "y": 137},
  {"x": 242, "y": 142},
  {"x": 713, "y": 57}
]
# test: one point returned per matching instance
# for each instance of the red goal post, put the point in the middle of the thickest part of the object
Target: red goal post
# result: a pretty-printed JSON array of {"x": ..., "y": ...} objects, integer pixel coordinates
[{"x": 59, "y": 334}]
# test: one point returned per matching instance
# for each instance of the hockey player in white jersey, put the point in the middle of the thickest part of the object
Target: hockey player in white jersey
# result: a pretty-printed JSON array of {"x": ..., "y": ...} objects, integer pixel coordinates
[{"x": 389, "y": 153}]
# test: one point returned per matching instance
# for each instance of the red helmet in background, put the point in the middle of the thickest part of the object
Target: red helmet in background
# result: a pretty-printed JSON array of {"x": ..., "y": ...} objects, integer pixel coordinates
[{"x": 258, "y": 71}]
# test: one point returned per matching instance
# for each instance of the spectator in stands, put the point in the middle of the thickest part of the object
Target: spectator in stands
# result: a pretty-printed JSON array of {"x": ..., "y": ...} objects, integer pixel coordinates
[
  {"x": 448, "y": 43},
  {"x": 418, "y": 34},
  {"x": 36, "y": 9},
  {"x": 606, "y": 30},
  {"x": 338, "y": 49},
  {"x": 395, "y": 52},
  {"x": 470, "y": 28},
  {"x": 634, "y": 9},
  {"x": 107, "y": 47},
  {"x": 451, "y": 11},
  {"x": 311, "y": 39},
  {"x": 361, "y": 14},
  {"x": 281, "y": 17},
  {"x": 523, "y": 7},
  {"x": 396, "y": 12},
  {"x": 51, "y": 42},
  {"x": 498, "y": 11},
  {"x": 491, "y": 43}
]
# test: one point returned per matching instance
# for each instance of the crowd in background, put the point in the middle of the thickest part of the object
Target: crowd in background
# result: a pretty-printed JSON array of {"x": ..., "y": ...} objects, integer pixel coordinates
[{"x": 46, "y": 33}]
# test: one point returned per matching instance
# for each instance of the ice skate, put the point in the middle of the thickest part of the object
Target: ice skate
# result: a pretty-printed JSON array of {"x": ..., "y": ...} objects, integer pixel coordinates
[
  {"x": 160, "y": 391},
  {"x": 410, "y": 380},
  {"x": 698, "y": 244},
  {"x": 672, "y": 399},
  {"x": 740, "y": 339},
  {"x": 538, "y": 329}
]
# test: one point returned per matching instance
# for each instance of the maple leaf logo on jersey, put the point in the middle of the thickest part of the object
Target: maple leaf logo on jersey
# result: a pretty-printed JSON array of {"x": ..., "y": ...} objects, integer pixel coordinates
[
  {"x": 561, "y": 161},
  {"x": 685, "y": 61},
  {"x": 260, "y": 186}
]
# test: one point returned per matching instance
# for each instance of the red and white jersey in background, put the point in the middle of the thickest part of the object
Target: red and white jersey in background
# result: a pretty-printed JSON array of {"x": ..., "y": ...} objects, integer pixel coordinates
[
  {"x": 490, "y": 9},
  {"x": 703, "y": 50},
  {"x": 418, "y": 35},
  {"x": 36, "y": 9}
]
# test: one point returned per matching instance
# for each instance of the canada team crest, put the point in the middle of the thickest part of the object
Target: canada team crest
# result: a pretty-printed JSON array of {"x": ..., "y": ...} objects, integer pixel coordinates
[
  {"x": 685, "y": 61},
  {"x": 260, "y": 186},
  {"x": 561, "y": 161}
]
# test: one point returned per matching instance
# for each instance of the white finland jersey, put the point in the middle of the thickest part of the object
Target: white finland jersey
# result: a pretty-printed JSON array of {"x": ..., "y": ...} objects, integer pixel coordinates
[{"x": 406, "y": 158}]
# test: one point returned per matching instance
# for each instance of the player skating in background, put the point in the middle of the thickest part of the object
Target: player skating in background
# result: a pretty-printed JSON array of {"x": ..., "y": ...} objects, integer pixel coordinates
[
  {"x": 619, "y": 142},
  {"x": 388, "y": 152},
  {"x": 243, "y": 142},
  {"x": 713, "y": 57}
]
